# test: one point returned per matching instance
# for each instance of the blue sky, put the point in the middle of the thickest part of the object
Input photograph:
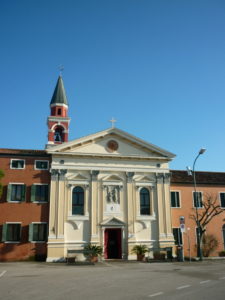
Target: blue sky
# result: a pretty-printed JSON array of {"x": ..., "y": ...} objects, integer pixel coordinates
[{"x": 157, "y": 66}]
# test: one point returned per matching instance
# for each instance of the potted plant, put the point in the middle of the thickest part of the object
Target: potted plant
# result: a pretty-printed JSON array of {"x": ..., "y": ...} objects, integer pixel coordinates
[
  {"x": 140, "y": 251},
  {"x": 92, "y": 252}
]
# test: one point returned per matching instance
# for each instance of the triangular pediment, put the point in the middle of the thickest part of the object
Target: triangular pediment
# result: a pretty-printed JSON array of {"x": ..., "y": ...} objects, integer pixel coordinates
[
  {"x": 111, "y": 142},
  {"x": 112, "y": 178},
  {"x": 112, "y": 222},
  {"x": 78, "y": 177},
  {"x": 143, "y": 178}
]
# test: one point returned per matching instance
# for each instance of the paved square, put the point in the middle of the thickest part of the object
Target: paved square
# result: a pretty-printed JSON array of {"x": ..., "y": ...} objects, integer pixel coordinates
[{"x": 113, "y": 280}]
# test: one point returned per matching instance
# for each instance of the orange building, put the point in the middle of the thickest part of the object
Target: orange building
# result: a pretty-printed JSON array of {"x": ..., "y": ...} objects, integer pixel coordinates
[
  {"x": 24, "y": 204},
  {"x": 209, "y": 184}
]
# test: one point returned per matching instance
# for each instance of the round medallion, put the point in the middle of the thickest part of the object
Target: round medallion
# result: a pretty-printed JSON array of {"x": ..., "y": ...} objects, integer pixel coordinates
[{"x": 112, "y": 145}]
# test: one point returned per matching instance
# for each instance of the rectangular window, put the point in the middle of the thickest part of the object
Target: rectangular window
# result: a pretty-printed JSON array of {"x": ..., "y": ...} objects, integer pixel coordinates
[
  {"x": 177, "y": 236},
  {"x": 17, "y": 163},
  {"x": 39, "y": 193},
  {"x": 16, "y": 192},
  {"x": 222, "y": 200},
  {"x": 175, "y": 199},
  {"x": 41, "y": 165},
  {"x": 38, "y": 232},
  {"x": 197, "y": 196},
  {"x": 11, "y": 232}
]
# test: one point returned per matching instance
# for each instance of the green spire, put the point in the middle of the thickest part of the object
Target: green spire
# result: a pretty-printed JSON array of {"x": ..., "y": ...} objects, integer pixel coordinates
[{"x": 59, "y": 95}]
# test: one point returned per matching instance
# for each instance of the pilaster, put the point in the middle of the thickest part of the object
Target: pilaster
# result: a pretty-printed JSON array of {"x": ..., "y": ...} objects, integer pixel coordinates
[
  {"x": 61, "y": 204},
  {"x": 130, "y": 206},
  {"x": 53, "y": 204},
  {"x": 164, "y": 215},
  {"x": 94, "y": 206}
]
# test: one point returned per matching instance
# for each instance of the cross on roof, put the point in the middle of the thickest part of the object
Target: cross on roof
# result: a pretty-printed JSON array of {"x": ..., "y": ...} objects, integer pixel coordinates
[
  {"x": 61, "y": 68},
  {"x": 113, "y": 121}
]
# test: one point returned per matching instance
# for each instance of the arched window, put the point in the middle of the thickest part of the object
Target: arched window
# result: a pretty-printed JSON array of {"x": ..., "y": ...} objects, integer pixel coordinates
[
  {"x": 58, "y": 135},
  {"x": 144, "y": 202},
  {"x": 78, "y": 201},
  {"x": 223, "y": 230}
]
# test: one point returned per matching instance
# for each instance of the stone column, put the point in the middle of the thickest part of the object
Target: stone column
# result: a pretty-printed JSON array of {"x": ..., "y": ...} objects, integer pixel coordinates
[
  {"x": 130, "y": 211},
  {"x": 53, "y": 204},
  {"x": 94, "y": 206},
  {"x": 152, "y": 199},
  {"x": 61, "y": 204},
  {"x": 56, "y": 251},
  {"x": 86, "y": 197},
  {"x": 164, "y": 215},
  {"x": 167, "y": 205},
  {"x": 161, "y": 209}
]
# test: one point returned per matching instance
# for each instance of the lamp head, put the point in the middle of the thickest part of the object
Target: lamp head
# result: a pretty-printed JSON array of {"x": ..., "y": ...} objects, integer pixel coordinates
[
  {"x": 201, "y": 151},
  {"x": 189, "y": 171}
]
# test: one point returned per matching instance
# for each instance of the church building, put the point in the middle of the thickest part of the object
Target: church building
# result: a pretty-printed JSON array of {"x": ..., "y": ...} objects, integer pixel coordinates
[{"x": 109, "y": 188}]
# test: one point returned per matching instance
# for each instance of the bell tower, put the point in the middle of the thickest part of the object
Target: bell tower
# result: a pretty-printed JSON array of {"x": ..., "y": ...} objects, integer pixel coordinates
[{"x": 58, "y": 121}]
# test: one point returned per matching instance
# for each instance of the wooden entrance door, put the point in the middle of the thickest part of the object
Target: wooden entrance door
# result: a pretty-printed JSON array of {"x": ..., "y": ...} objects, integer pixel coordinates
[{"x": 113, "y": 248}]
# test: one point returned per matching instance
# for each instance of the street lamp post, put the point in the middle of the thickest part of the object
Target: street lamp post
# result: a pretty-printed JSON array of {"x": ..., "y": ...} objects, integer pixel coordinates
[{"x": 199, "y": 250}]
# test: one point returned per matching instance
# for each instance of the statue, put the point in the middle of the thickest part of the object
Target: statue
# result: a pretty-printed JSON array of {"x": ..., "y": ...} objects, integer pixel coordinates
[{"x": 112, "y": 194}]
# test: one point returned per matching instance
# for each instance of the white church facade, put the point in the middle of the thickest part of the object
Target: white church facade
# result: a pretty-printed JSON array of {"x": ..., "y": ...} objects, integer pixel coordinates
[{"x": 110, "y": 189}]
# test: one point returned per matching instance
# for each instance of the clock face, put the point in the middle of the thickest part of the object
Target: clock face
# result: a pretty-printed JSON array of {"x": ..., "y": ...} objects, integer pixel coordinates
[{"x": 112, "y": 145}]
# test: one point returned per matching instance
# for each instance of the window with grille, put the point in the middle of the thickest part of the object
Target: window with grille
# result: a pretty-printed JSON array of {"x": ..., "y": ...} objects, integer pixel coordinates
[
  {"x": 16, "y": 192},
  {"x": 38, "y": 232},
  {"x": 78, "y": 201},
  {"x": 222, "y": 200},
  {"x": 197, "y": 197},
  {"x": 11, "y": 232},
  {"x": 17, "y": 164},
  {"x": 39, "y": 193},
  {"x": 41, "y": 164},
  {"x": 175, "y": 199},
  {"x": 144, "y": 202}
]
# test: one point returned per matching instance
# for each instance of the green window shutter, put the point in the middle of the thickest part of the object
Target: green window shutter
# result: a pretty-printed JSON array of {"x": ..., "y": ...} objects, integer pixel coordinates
[
  {"x": 30, "y": 232},
  {"x": 23, "y": 193},
  {"x": 46, "y": 236},
  {"x": 9, "y": 192},
  {"x": 35, "y": 232},
  {"x": 47, "y": 193},
  {"x": 20, "y": 232},
  {"x": 4, "y": 232},
  {"x": 33, "y": 191}
]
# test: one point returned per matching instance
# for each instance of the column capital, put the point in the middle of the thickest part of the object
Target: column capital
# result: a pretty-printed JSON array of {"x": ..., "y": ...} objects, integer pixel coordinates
[
  {"x": 167, "y": 177},
  {"x": 62, "y": 173},
  {"x": 130, "y": 176},
  {"x": 94, "y": 174},
  {"x": 159, "y": 176},
  {"x": 54, "y": 174}
]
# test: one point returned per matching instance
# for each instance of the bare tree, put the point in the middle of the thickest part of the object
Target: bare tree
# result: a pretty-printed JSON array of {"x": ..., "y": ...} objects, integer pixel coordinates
[{"x": 203, "y": 215}]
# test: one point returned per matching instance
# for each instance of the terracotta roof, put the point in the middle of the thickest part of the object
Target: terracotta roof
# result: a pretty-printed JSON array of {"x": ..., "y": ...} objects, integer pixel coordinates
[
  {"x": 216, "y": 178},
  {"x": 22, "y": 151}
]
